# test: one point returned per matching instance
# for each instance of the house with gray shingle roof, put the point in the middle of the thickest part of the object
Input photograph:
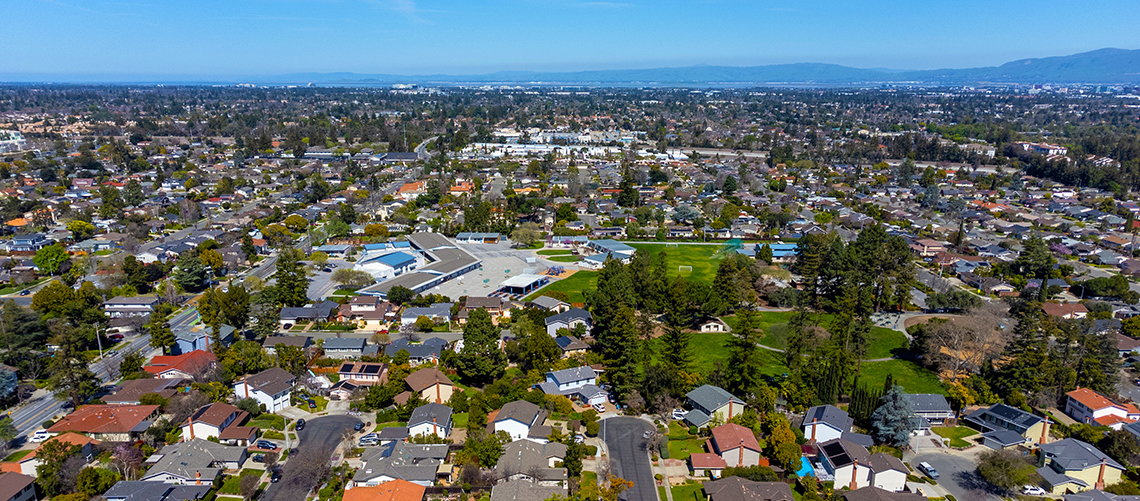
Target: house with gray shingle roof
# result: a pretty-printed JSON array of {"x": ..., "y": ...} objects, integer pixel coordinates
[{"x": 707, "y": 401}]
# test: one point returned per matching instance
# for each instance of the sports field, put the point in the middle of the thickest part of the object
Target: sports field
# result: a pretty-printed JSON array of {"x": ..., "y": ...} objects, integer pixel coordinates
[
  {"x": 703, "y": 259},
  {"x": 572, "y": 286}
]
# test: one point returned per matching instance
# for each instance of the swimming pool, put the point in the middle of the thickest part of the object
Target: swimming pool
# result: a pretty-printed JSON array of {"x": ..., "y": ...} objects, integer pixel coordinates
[{"x": 805, "y": 468}]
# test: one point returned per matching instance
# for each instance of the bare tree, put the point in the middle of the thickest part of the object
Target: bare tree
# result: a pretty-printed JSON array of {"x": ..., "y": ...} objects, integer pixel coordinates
[
  {"x": 183, "y": 405},
  {"x": 249, "y": 485},
  {"x": 962, "y": 344},
  {"x": 69, "y": 472},
  {"x": 310, "y": 466},
  {"x": 271, "y": 458}
]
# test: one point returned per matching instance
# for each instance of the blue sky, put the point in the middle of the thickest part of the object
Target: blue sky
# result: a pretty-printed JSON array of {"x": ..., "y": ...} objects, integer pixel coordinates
[{"x": 236, "y": 38}]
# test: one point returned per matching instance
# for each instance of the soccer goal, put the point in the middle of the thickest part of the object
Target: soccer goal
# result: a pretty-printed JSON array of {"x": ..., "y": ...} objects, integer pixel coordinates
[
  {"x": 671, "y": 245},
  {"x": 684, "y": 269}
]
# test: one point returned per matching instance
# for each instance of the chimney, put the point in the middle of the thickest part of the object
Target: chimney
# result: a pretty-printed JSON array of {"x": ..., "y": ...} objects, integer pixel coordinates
[
  {"x": 730, "y": 409},
  {"x": 245, "y": 383},
  {"x": 190, "y": 421},
  {"x": 854, "y": 473},
  {"x": 438, "y": 400},
  {"x": 741, "y": 462},
  {"x": 1100, "y": 477},
  {"x": 1044, "y": 432},
  {"x": 198, "y": 477},
  {"x": 813, "y": 422}
]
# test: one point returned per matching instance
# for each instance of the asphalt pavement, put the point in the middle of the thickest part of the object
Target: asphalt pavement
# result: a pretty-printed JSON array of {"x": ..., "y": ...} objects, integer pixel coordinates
[
  {"x": 958, "y": 475},
  {"x": 319, "y": 432},
  {"x": 629, "y": 456}
]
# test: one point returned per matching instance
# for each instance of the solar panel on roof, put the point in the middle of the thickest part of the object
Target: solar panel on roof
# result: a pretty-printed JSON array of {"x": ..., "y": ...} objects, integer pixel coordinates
[
  {"x": 833, "y": 449},
  {"x": 347, "y": 366},
  {"x": 841, "y": 460},
  {"x": 371, "y": 369}
]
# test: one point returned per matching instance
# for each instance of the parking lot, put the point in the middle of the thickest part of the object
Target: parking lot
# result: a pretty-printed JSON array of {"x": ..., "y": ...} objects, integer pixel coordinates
[
  {"x": 500, "y": 262},
  {"x": 320, "y": 282}
]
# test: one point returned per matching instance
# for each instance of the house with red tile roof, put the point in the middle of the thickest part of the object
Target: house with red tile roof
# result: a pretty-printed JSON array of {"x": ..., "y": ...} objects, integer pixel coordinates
[
  {"x": 115, "y": 423},
  {"x": 184, "y": 366},
  {"x": 1090, "y": 407},
  {"x": 27, "y": 464},
  {"x": 1068, "y": 310},
  {"x": 396, "y": 490},
  {"x": 709, "y": 462},
  {"x": 735, "y": 444}
]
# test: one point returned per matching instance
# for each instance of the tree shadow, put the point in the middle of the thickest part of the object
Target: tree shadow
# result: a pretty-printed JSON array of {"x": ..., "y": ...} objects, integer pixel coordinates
[{"x": 973, "y": 483}]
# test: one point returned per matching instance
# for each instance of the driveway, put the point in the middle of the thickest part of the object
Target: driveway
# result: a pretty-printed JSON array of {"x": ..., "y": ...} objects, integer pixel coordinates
[
  {"x": 630, "y": 457},
  {"x": 319, "y": 432},
  {"x": 957, "y": 474}
]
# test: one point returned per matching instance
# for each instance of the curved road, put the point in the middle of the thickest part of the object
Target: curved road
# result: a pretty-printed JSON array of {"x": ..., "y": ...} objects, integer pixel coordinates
[
  {"x": 319, "y": 432},
  {"x": 630, "y": 457}
]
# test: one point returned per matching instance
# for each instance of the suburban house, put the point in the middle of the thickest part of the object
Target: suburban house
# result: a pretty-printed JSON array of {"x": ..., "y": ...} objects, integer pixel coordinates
[
  {"x": 396, "y": 490},
  {"x": 714, "y": 325},
  {"x": 368, "y": 312},
  {"x": 550, "y": 304},
  {"x": 17, "y": 487},
  {"x": 344, "y": 347},
  {"x": 852, "y": 466},
  {"x": 1090, "y": 407},
  {"x": 135, "y": 490},
  {"x": 270, "y": 344},
  {"x": 568, "y": 320},
  {"x": 571, "y": 346},
  {"x": 931, "y": 407},
  {"x": 1067, "y": 310},
  {"x": 193, "y": 462},
  {"x": 927, "y": 247},
  {"x": 707, "y": 401},
  {"x": 363, "y": 373},
  {"x": 109, "y": 423},
  {"x": 520, "y": 419},
  {"x": 1001, "y": 416},
  {"x": 735, "y": 444},
  {"x": 130, "y": 391},
  {"x": 742, "y": 489},
  {"x": 221, "y": 421},
  {"x": 184, "y": 366},
  {"x": 319, "y": 312},
  {"x": 415, "y": 463},
  {"x": 343, "y": 390},
  {"x": 418, "y": 353},
  {"x": 271, "y": 388},
  {"x": 876, "y": 494},
  {"x": 438, "y": 313},
  {"x": 824, "y": 423},
  {"x": 137, "y": 306},
  {"x": 525, "y": 490},
  {"x": 27, "y": 464},
  {"x": 430, "y": 419},
  {"x": 495, "y": 306},
  {"x": 578, "y": 383},
  {"x": 707, "y": 464},
  {"x": 28, "y": 243},
  {"x": 1074, "y": 466},
  {"x": 431, "y": 384},
  {"x": 527, "y": 460},
  {"x": 199, "y": 337}
]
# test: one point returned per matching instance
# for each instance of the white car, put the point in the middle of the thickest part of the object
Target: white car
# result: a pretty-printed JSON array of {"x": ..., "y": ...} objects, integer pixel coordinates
[
  {"x": 1032, "y": 490},
  {"x": 679, "y": 414},
  {"x": 39, "y": 436},
  {"x": 599, "y": 407}
]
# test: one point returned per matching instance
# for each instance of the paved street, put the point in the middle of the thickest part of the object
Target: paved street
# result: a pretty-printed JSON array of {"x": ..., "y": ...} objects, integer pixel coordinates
[
  {"x": 630, "y": 457},
  {"x": 320, "y": 432},
  {"x": 957, "y": 474}
]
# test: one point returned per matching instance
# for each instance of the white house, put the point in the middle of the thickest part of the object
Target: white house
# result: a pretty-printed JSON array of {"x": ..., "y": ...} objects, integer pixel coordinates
[
  {"x": 853, "y": 467},
  {"x": 824, "y": 423},
  {"x": 573, "y": 378},
  {"x": 271, "y": 388},
  {"x": 221, "y": 421},
  {"x": 1087, "y": 406},
  {"x": 430, "y": 419},
  {"x": 519, "y": 419}
]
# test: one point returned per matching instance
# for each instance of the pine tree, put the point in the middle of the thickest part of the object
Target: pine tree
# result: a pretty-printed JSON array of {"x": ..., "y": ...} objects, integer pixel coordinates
[
  {"x": 893, "y": 421},
  {"x": 744, "y": 356},
  {"x": 621, "y": 352},
  {"x": 614, "y": 291},
  {"x": 160, "y": 334},
  {"x": 292, "y": 285},
  {"x": 480, "y": 361}
]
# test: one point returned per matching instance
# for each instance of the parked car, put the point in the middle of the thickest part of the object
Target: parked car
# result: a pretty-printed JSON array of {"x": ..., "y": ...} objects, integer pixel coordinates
[
  {"x": 369, "y": 442},
  {"x": 599, "y": 407},
  {"x": 358, "y": 427},
  {"x": 1032, "y": 490},
  {"x": 25, "y": 292},
  {"x": 928, "y": 470},
  {"x": 312, "y": 404},
  {"x": 259, "y": 458},
  {"x": 679, "y": 414},
  {"x": 300, "y": 424},
  {"x": 115, "y": 337},
  {"x": 265, "y": 444},
  {"x": 39, "y": 436},
  {"x": 275, "y": 477},
  {"x": 111, "y": 353}
]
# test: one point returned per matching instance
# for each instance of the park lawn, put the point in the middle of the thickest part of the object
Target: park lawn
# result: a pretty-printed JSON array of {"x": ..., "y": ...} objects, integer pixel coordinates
[
  {"x": 909, "y": 375},
  {"x": 710, "y": 348},
  {"x": 691, "y": 491},
  {"x": 703, "y": 259},
  {"x": 268, "y": 422},
  {"x": 572, "y": 286},
  {"x": 554, "y": 252},
  {"x": 883, "y": 342},
  {"x": 956, "y": 434},
  {"x": 564, "y": 259}
]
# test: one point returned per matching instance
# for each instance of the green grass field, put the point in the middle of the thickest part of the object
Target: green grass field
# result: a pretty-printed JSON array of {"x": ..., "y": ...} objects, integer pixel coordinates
[
  {"x": 564, "y": 259},
  {"x": 268, "y": 422},
  {"x": 709, "y": 348},
  {"x": 554, "y": 252},
  {"x": 883, "y": 343},
  {"x": 700, "y": 257},
  {"x": 910, "y": 376},
  {"x": 691, "y": 491},
  {"x": 232, "y": 484},
  {"x": 956, "y": 434},
  {"x": 572, "y": 286}
]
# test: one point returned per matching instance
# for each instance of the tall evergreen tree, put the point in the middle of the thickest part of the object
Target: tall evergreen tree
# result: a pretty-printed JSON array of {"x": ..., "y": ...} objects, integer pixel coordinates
[
  {"x": 614, "y": 291},
  {"x": 894, "y": 419},
  {"x": 292, "y": 285},
  {"x": 621, "y": 352},
  {"x": 160, "y": 334},
  {"x": 480, "y": 361},
  {"x": 744, "y": 355}
]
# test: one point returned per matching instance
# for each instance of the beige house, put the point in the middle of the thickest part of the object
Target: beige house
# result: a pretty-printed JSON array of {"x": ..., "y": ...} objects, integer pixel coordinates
[
  {"x": 1074, "y": 466},
  {"x": 431, "y": 384}
]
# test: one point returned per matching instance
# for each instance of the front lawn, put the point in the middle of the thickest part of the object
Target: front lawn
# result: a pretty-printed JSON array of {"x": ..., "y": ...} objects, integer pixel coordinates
[
  {"x": 322, "y": 402},
  {"x": 682, "y": 449},
  {"x": 381, "y": 426},
  {"x": 18, "y": 455},
  {"x": 459, "y": 420},
  {"x": 232, "y": 484},
  {"x": 268, "y": 422},
  {"x": 572, "y": 286},
  {"x": 691, "y": 491},
  {"x": 956, "y": 434}
]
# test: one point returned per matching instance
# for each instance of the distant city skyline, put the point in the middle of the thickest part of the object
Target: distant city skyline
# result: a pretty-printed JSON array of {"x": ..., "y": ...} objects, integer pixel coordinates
[{"x": 233, "y": 39}]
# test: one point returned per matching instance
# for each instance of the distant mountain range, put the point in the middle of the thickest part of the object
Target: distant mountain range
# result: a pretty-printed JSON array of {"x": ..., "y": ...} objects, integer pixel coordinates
[{"x": 1104, "y": 66}]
